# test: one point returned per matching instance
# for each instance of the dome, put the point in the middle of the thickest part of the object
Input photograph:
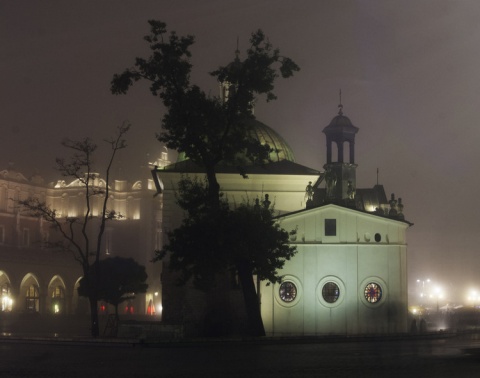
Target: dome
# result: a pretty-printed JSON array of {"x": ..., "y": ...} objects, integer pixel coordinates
[
  {"x": 340, "y": 122},
  {"x": 265, "y": 135}
]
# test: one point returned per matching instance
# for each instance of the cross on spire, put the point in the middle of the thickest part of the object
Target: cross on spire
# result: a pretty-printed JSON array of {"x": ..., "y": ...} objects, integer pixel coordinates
[{"x": 340, "y": 106}]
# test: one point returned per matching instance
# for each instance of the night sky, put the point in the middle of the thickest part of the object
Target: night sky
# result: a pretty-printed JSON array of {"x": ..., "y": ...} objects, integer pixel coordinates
[{"x": 408, "y": 71}]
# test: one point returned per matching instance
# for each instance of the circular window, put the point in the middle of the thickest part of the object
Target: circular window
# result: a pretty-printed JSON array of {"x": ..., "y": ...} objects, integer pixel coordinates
[
  {"x": 373, "y": 292},
  {"x": 378, "y": 237},
  {"x": 287, "y": 291},
  {"x": 330, "y": 292}
]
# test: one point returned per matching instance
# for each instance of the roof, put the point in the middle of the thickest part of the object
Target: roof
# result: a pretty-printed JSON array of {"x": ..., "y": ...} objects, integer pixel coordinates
[
  {"x": 340, "y": 123},
  {"x": 280, "y": 150},
  {"x": 375, "y": 214},
  {"x": 283, "y": 167}
]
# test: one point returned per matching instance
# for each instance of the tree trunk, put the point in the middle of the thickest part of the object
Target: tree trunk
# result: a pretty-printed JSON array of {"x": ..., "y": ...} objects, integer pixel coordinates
[
  {"x": 252, "y": 305},
  {"x": 94, "y": 316},
  {"x": 218, "y": 321},
  {"x": 213, "y": 187}
]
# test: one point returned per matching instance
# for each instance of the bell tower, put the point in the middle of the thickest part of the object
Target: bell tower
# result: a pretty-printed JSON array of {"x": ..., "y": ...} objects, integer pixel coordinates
[{"x": 340, "y": 169}]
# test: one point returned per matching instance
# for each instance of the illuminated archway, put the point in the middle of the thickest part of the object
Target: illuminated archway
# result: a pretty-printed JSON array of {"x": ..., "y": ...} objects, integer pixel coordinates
[
  {"x": 6, "y": 300},
  {"x": 56, "y": 296},
  {"x": 30, "y": 293}
]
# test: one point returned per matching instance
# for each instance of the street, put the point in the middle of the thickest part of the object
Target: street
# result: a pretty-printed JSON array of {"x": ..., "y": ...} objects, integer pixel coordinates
[{"x": 439, "y": 357}]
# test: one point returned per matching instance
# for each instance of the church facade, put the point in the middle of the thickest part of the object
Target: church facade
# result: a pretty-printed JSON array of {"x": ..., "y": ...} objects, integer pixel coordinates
[{"x": 349, "y": 275}]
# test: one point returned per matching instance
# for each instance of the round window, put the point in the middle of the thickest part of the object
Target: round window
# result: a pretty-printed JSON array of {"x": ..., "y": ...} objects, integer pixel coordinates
[
  {"x": 373, "y": 292},
  {"x": 330, "y": 292},
  {"x": 287, "y": 291}
]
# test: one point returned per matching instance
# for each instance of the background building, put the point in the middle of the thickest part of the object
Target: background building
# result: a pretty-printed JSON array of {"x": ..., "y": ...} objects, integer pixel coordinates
[{"x": 37, "y": 279}]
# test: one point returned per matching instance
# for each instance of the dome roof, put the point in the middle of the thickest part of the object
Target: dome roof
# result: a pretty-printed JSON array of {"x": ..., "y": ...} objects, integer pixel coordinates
[
  {"x": 340, "y": 122},
  {"x": 265, "y": 135}
]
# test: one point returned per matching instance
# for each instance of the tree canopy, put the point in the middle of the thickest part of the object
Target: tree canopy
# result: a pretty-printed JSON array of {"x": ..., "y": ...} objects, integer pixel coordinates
[
  {"x": 246, "y": 239},
  {"x": 208, "y": 129},
  {"x": 119, "y": 279}
]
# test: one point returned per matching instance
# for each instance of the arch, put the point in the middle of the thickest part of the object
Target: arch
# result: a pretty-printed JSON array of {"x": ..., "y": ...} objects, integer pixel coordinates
[
  {"x": 56, "y": 298},
  {"x": 137, "y": 185},
  {"x": 30, "y": 293},
  {"x": 80, "y": 305},
  {"x": 6, "y": 300}
]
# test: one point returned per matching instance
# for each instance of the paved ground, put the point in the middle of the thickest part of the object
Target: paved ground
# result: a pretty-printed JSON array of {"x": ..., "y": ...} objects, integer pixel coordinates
[{"x": 427, "y": 357}]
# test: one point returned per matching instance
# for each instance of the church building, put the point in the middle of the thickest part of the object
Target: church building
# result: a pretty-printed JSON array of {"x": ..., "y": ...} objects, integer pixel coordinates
[
  {"x": 349, "y": 275},
  {"x": 350, "y": 272}
]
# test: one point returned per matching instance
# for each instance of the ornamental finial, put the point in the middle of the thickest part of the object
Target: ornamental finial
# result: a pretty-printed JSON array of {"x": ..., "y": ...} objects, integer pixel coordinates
[{"x": 340, "y": 106}]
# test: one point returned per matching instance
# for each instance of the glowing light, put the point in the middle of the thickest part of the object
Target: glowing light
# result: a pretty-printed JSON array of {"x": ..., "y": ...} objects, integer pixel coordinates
[
  {"x": 473, "y": 297},
  {"x": 150, "y": 308}
]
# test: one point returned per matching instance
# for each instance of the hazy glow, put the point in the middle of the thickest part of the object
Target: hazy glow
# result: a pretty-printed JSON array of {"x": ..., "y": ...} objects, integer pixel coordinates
[
  {"x": 7, "y": 303},
  {"x": 405, "y": 72}
]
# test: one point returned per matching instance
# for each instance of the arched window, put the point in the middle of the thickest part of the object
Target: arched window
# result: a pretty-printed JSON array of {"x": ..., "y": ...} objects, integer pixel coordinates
[
  {"x": 5, "y": 297},
  {"x": 58, "y": 300},
  {"x": 32, "y": 299}
]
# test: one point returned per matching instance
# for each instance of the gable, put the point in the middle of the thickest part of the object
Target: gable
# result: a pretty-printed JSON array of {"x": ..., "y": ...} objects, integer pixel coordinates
[{"x": 336, "y": 224}]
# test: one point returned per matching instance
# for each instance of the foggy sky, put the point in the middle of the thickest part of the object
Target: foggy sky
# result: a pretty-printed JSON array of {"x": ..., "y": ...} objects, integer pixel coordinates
[{"x": 408, "y": 71}]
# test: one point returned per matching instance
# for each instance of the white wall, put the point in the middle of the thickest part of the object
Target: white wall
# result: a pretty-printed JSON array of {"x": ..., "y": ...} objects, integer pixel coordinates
[{"x": 349, "y": 261}]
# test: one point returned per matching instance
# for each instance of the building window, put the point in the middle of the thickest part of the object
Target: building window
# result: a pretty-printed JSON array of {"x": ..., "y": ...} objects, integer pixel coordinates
[
  {"x": 58, "y": 300},
  {"x": 330, "y": 227},
  {"x": 5, "y": 297},
  {"x": 373, "y": 292},
  {"x": 378, "y": 237},
  {"x": 2, "y": 235},
  {"x": 288, "y": 291},
  {"x": 26, "y": 237},
  {"x": 32, "y": 299},
  {"x": 330, "y": 292}
]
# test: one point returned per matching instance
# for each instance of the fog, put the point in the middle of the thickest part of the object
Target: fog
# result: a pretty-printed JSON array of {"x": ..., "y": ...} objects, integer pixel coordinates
[{"x": 407, "y": 71}]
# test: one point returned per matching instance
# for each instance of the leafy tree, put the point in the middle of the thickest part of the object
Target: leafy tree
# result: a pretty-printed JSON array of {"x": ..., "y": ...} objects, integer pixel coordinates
[
  {"x": 83, "y": 235},
  {"x": 210, "y": 130},
  {"x": 246, "y": 239},
  {"x": 119, "y": 279}
]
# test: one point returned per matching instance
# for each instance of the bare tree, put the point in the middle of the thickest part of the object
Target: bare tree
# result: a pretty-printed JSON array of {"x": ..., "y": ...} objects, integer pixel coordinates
[{"x": 83, "y": 235}]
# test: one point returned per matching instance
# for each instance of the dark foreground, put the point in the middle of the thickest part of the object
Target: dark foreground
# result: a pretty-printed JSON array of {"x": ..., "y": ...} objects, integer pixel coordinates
[{"x": 425, "y": 357}]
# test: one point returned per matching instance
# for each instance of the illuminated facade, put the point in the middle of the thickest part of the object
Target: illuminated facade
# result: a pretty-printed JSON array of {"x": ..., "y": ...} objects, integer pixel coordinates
[
  {"x": 349, "y": 275},
  {"x": 35, "y": 278}
]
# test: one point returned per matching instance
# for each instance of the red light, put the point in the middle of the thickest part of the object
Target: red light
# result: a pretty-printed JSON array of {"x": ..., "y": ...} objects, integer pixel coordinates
[
  {"x": 129, "y": 309},
  {"x": 150, "y": 308}
]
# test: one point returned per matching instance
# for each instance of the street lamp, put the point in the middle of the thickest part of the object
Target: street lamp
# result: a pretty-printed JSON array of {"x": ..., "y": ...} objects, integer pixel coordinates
[{"x": 473, "y": 297}]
